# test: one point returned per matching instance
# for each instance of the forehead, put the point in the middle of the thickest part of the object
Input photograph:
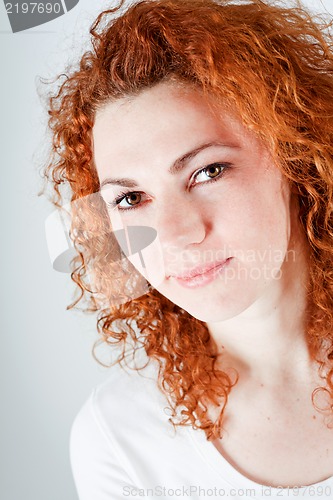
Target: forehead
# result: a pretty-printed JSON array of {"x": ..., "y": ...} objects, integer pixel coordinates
[{"x": 159, "y": 125}]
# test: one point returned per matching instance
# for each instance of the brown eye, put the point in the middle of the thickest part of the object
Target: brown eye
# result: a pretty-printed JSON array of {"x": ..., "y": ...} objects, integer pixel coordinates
[
  {"x": 213, "y": 170},
  {"x": 133, "y": 198}
]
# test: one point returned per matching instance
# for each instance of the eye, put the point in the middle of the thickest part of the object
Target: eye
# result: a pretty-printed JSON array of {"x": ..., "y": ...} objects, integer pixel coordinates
[
  {"x": 210, "y": 173},
  {"x": 130, "y": 199},
  {"x": 126, "y": 201}
]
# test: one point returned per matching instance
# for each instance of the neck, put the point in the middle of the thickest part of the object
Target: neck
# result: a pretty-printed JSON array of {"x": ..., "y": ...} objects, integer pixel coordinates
[{"x": 267, "y": 341}]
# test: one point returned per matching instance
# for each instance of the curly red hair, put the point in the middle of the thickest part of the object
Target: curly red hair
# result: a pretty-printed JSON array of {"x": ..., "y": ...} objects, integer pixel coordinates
[{"x": 274, "y": 64}]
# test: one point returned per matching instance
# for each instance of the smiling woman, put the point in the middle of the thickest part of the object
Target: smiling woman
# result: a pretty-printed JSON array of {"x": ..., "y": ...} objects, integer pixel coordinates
[{"x": 200, "y": 121}]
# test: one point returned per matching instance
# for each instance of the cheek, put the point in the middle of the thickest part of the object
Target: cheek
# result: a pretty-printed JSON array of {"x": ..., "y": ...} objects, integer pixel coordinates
[
  {"x": 141, "y": 245},
  {"x": 254, "y": 225},
  {"x": 154, "y": 261},
  {"x": 272, "y": 214}
]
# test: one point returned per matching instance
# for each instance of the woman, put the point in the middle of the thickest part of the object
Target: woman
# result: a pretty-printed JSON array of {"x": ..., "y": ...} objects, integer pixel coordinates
[{"x": 203, "y": 130}]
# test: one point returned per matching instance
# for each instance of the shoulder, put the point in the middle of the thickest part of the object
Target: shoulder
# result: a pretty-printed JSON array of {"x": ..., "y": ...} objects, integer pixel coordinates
[
  {"x": 126, "y": 400},
  {"x": 104, "y": 433},
  {"x": 128, "y": 393}
]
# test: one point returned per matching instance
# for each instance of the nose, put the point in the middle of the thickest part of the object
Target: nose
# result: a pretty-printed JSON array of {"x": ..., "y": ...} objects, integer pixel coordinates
[{"x": 180, "y": 223}]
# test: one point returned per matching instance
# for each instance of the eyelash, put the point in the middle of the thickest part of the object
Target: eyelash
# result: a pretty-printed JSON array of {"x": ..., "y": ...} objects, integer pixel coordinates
[{"x": 114, "y": 204}]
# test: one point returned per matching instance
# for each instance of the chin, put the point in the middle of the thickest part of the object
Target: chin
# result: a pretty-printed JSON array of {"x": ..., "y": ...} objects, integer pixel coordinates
[
  {"x": 210, "y": 308},
  {"x": 216, "y": 301},
  {"x": 214, "y": 316}
]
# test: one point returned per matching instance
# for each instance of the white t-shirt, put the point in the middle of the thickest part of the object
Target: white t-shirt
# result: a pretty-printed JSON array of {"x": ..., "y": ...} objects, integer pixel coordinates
[{"x": 123, "y": 446}]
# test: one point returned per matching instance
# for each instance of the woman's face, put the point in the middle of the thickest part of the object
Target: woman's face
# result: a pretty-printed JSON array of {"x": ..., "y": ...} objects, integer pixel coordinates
[{"x": 220, "y": 207}]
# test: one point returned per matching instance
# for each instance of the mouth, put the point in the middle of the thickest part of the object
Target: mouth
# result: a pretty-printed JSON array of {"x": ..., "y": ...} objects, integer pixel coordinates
[{"x": 201, "y": 275}]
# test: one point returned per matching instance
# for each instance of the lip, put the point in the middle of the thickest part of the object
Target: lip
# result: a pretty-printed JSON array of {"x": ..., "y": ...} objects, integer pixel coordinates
[{"x": 201, "y": 275}]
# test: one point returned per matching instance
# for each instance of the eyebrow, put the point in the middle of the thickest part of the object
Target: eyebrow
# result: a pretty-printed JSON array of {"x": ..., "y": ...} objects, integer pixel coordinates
[{"x": 176, "y": 167}]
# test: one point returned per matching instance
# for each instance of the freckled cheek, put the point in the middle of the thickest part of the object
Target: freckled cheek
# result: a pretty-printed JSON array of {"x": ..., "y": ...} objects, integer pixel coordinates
[
  {"x": 234, "y": 215},
  {"x": 275, "y": 230},
  {"x": 249, "y": 219}
]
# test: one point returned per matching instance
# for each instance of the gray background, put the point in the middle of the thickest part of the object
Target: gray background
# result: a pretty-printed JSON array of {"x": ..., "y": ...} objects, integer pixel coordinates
[{"x": 47, "y": 370}]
